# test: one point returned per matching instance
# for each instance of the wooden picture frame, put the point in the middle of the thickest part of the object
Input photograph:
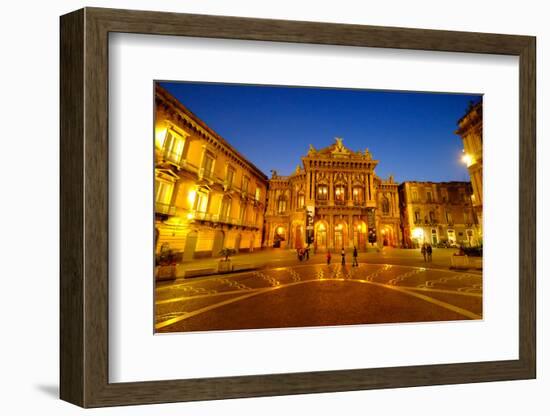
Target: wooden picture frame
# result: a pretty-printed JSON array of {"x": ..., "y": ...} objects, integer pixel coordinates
[{"x": 84, "y": 207}]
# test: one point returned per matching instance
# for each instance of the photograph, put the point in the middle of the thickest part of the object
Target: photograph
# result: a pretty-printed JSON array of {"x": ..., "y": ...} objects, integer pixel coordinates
[{"x": 298, "y": 206}]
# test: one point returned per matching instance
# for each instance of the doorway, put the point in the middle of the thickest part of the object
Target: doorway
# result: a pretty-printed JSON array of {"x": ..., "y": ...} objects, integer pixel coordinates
[
  {"x": 217, "y": 246},
  {"x": 190, "y": 246}
]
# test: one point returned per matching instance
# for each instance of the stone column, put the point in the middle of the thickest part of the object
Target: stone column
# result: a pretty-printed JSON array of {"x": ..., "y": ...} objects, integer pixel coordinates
[
  {"x": 331, "y": 189},
  {"x": 350, "y": 196},
  {"x": 368, "y": 196},
  {"x": 308, "y": 191},
  {"x": 330, "y": 232},
  {"x": 350, "y": 231}
]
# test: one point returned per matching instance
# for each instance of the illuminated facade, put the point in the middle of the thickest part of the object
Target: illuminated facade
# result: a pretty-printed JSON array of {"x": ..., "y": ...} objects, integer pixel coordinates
[
  {"x": 470, "y": 129},
  {"x": 438, "y": 213},
  {"x": 207, "y": 195},
  {"x": 333, "y": 200}
]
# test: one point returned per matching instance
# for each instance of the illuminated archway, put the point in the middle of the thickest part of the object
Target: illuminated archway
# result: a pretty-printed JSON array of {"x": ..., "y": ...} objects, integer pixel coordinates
[
  {"x": 340, "y": 235},
  {"x": 388, "y": 236},
  {"x": 321, "y": 235},
  {"x": 297, "y": 238},
  {"x": 279, "y": 236},
  {"x": 360, "y": 235}
]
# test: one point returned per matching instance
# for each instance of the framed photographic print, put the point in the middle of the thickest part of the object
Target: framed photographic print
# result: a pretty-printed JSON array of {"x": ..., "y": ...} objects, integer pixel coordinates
[{"x": 255, "y": 207}]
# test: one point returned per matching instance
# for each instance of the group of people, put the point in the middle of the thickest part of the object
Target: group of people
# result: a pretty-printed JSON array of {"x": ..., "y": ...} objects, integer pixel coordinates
[
  {"x": 303, "y": 253},
  {"x": 343, "y": 254},
  {"x": 426, "y": 251}
]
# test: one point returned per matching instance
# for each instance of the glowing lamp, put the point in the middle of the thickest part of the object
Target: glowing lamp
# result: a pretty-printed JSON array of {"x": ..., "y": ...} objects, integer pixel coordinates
[
  {"x": 418, "y": 233},
  {"x": 467, "y": 159}
]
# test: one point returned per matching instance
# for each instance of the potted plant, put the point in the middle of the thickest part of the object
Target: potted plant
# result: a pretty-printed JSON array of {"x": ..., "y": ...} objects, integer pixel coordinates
[
  {"x": 225, "y": 265},
  {"x": 165, "y": 263}
]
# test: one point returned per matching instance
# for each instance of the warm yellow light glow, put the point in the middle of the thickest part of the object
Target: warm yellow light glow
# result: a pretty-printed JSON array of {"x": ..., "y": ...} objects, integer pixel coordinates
[
  {"x": 160, "y": 135},
  {"x": 190, "y": 216},
  {"x": 467, "y": 159},
  {"x": 383, "y": 232},
  {"x": 339, "y": 226},
  {"x": 191, "y": 197},
  {"x": 322, "y": 227},
  {"x": 280, "y": 230},
  {"x": 418, "y": 233}
]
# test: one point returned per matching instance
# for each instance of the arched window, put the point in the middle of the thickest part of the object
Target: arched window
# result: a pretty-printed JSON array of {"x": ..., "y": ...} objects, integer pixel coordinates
[
  {"x": 301, "y": 200},
  {"x": 281, "y": 204},
  {"x": 385, "y": 206},
  {"x": 322, "y": 192},
  {"x": 357, "y": 195},
  {"x": 339, "y": 194}
]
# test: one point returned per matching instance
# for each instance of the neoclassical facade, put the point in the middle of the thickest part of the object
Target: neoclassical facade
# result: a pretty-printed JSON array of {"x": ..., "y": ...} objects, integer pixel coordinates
[
  {"x": 333, "y": 200},
  {"x": 470, "y": 129},
  {"x": 438, "y": 213},
  {"x": 207, "y": 195}
]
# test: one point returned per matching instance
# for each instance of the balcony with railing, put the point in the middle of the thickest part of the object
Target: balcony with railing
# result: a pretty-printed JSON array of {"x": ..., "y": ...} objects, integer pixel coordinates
[
  {"x": 223, "y": 219},
  {"x": 174, "y": 158},
  {"x": 207, "y": 175},
  {"x": 164, "y": 209},
  {"x": 321, "y": 202}
]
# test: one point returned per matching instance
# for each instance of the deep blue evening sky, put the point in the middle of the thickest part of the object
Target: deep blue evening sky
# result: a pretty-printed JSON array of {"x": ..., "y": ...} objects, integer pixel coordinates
[{"x": 411, "y": 134}]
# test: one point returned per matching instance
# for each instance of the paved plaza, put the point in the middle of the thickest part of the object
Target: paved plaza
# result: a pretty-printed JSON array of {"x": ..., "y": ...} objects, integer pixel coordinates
[{"x": 391, "y": 286}]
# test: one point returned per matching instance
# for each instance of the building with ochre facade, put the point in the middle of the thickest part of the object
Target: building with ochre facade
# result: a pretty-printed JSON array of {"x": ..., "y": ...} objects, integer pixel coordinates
[
  {"x": 470, "y": 129},
  {"x": 438, "y": 213},
  {"x": 333, "y": 200},
  {"x": 207, "y": 195}
]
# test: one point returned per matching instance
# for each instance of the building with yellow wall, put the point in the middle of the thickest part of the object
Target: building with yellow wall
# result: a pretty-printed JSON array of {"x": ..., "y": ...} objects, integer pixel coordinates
[
  {"x": 438, "y": 213},
  {"x": 333, "y": 200},
  {"x": 470, "y": 129},
  {"x": 207, "y": 195}
]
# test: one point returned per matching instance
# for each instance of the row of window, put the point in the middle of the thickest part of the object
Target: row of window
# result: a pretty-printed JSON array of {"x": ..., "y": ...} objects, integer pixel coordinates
[
  {"x": 339, "y": 197},
  {"x": 467, "y": 217},
  {"x": 431, "y": 198},
  {"x": 339, "y": 193},
  {"x": 173, "y": 149},
  {"x": 164, "y": 197}
]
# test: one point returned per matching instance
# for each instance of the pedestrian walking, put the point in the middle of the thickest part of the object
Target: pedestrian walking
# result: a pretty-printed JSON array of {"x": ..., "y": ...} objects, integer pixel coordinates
[
  {"x": 423, "y": 251},
  {"x": 328, "y": 257},
  {"x": 343, "y": 257},
  {"x": 307, "y": 252},
  {"x": 429, "y": 252},
  {"x": 355, "y": 264}
]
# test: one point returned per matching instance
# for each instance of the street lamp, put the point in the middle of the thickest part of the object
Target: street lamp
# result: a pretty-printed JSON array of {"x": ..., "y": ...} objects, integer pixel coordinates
[
  {"x": 418, "y": 233},
  {"x": 467, "y": 159}
]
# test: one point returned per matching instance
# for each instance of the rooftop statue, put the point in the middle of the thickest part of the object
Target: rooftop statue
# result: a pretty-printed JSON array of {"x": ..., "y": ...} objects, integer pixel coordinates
[
  {"x": 340, "y": 145},
  {"x": 368, "y": 156}
]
